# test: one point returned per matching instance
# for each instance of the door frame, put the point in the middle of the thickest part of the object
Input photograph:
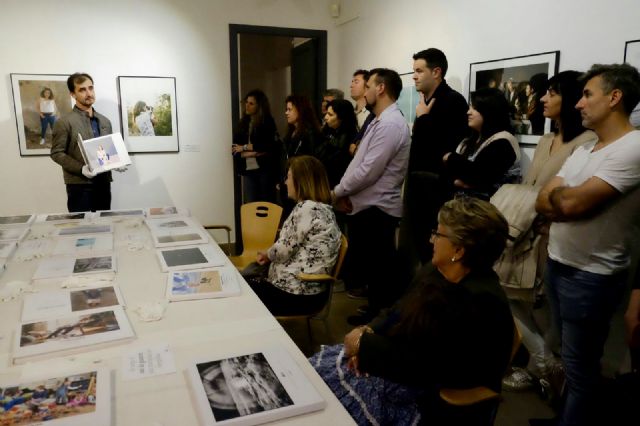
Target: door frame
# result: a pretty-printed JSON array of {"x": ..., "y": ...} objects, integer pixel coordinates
[{"x": 321, "y": 84}]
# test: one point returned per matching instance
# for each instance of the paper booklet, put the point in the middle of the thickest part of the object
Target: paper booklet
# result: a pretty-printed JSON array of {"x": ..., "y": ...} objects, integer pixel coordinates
[
  {"x": 62, "y": 217},
  {"x": 75, "y": 229},
  {"x": 251, "y": 388},
  {"x": 176, "y": 231},
  {"x": 190, "y": 257},
  {"x": 77, "y": 397},
  {"x": 74, "y": 333},
  {"x": 66, "y": 266},
  {"x": 13, "y": 234},
  {"x": 104, "y": 153},
  {"x": 202, "y": 284},
  {"x": 66, "y": 302},
  {"x": 7, "y": 248},
  {"x": 21, "y": 220},
  {"x": 160, "y": 212},
  {"x": 84, "y": 245}
]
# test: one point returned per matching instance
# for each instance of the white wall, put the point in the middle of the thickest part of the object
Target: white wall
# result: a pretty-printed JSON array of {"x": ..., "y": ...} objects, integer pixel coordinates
[
  {"x": 186, "y": 39},
  {"x": 387, "y": 34}
]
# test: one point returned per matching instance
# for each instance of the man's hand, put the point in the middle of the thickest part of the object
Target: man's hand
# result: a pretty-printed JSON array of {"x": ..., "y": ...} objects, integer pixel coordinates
[
  {"x": 88, "y": 173},
  {"x": 422, "y": 107},
  {"x": 262, "y": 258},
  {"x": 352, "y": 149},
  {"x": 343, "y": 204}
]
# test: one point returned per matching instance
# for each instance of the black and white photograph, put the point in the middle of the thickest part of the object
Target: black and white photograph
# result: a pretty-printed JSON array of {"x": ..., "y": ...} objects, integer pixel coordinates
[
  {"x": 632, "y": 57},
  {"x": 187, "y": 256},
  {"x": 114, "y": 213},
  {"x": 523, "y": 80},
  {"x": 93, "y": 264},
  {"x": 16, "y": 220},
  {"x": 148, "y": 113},
  {"x": 190, "y": 257},
  {"x": 192, "y": 238},
  {"x": 242, "y": 386},
  {"x": 39, "y": 101},
  {"x": 64, "y": 217}
]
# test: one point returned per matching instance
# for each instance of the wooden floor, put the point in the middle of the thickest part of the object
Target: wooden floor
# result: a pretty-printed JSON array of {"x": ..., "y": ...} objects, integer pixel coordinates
[{"x": 515, "y": 409}]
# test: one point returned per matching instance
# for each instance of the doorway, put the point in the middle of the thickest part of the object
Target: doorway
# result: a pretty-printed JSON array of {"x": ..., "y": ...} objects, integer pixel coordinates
[{"x": 279, "y": 61}]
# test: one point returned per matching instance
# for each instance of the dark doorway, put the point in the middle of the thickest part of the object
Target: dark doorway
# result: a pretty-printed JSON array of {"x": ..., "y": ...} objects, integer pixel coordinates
[{"x": 278, "y": 61}]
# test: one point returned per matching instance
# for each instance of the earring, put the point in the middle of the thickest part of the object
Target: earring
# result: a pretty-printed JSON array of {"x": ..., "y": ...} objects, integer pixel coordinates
[{"x": 453, "y": 259}]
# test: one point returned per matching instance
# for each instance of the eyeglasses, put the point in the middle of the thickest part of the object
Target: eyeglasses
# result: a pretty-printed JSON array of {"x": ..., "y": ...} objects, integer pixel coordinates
[{"x": 435, "y": 234}]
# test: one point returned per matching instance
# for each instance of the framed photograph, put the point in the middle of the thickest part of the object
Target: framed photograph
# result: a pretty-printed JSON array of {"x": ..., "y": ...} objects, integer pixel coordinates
[
  {"x": 632, "y": 57},
  {"x": 249, "y": 389},
  {"x": 523, "y": 79},
  {"x": 39, "y": 100},
  {"x": 202, "y": 284},
  {"x": 70, "y": 334},
  {"x": 64, "y": 398},
  {"x": 409, "y": 98},
  {"x": 190, "y": 257},
  {"x": 148, "y": 113},
  {"x": 104, "y": 153}
]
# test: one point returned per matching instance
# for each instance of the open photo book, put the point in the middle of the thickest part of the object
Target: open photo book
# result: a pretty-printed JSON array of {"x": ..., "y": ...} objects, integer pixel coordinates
[
  {"x": 77, "y": 397},
  {"x": 251, "y": 388},
  {"x": 104, "y": 153}
]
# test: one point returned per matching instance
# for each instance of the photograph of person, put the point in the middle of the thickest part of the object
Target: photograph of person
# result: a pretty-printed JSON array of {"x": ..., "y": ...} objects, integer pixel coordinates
[
  {"x": 93, "y": 298},
  {"x": 49, "y": 399},
  {"x": 195, "y": 282},
  {"x": 84, "y": 325},
  {"x": 46, "y": 107}
]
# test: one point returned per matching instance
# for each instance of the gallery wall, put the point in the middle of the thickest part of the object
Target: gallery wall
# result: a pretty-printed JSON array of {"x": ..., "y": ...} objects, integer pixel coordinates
[
  {"x": 378, "y": 33},
  {"x": 183, "y": 39}
]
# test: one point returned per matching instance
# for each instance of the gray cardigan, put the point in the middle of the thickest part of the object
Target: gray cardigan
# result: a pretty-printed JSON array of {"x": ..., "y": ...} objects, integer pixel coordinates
[{"x": 65, "y": 150}]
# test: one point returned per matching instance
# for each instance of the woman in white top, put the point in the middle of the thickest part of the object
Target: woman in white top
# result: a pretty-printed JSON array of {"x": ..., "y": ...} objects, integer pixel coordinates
[
  {"x": 144, "y": 118},
  {"x": 309, "y": 242},
  {"x": 46, "y": 107}
]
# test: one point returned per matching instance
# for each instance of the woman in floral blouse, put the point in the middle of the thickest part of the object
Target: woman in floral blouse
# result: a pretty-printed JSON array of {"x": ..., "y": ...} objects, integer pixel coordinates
[{"x": 309, "y": 242}]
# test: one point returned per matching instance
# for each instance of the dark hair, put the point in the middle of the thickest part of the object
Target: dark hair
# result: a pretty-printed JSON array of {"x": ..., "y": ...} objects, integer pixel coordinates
[
  {"x": 310, "y": 179},
  {"x": 494, "y": 108},
  {"x": 138, "y": 108},
  {"x": 346, "y": 115},
  {"x": 568, "y": 85},
  {"x": 334, "y": 93},
  {"x": 363, "y": 73},
  {"x": 623, "y": 77},
  {"x": 306, "y": 116},
  {"x": 44, "y": 89},
  {"x": 77, "y": 78},
  {"x": 435, "y": 58},
  {"x": 390, "y": 79},
  {"x": 264, "y": 109}
]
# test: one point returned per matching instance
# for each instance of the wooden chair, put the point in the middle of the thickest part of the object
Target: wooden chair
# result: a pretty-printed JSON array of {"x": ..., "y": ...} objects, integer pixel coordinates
[
  {"x": 480, "y": 395},
  {"x": 259, "y": 223},
  {"x": 323, "y": 313}
]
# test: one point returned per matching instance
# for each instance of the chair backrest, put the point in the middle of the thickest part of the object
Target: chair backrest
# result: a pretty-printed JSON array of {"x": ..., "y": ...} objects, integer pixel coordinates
[
  {"x": 344, "y": 245},
  {"x": 259, "y": 222}
]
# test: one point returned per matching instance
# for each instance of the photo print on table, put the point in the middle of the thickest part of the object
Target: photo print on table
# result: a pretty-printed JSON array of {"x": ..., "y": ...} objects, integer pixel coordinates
[
  {"x": 241, "y": 386},
  {"x": 93, "y": 264},
  {"x": 16, "y": 220},
  {"x": 40, "y": 332},
  {"x": 92, "y": 298}
]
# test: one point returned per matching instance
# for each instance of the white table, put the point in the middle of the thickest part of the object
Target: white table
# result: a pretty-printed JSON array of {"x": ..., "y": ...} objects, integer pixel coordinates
[{"x": 193, "y": 329}]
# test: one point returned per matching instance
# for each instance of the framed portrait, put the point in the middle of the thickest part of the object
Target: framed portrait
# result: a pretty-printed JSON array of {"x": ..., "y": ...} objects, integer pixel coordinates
[
  {"x": 409, "y": 98},
  {"x": 39, "y": 100},
  {"x": 148, "y": 113},
  {"x": 632, "y": 57},
  {"x": 523, "y": 80}
]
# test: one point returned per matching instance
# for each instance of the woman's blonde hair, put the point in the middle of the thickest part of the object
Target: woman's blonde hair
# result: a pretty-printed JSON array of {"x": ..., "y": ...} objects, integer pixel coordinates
[
  {"x": 478, "y": 227},
  {"x": 310, "y": 179}
]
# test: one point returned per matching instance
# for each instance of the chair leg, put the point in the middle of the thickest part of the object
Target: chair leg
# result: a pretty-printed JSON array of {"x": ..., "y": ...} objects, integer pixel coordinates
[{"x": 309, "y": 334}]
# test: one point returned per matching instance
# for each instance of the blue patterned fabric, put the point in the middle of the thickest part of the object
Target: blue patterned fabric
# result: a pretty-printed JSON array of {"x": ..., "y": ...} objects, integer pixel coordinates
[{"x": 369, "y": 400}]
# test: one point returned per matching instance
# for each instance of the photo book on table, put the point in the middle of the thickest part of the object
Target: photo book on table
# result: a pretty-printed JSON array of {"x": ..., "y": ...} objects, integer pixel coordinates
[
  {"x": 190, "y": 257},
  {"x": 104, "y": 153},
  {"x": 76, "y": 397},
  {"x": 66, "y": 335},
  {"x": 202, "y": 284},
  {"x": 251, "y": 388},
  {"x": 20, "y": 220},
  {"x": 84, "y": 245},
  {"x": 13, "y": 233},
  {"x": 65, "y": 266},
  {"x": 65, "y": 302}
]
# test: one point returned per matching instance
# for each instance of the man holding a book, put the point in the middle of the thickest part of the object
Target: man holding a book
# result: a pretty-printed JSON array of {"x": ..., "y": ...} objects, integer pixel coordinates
[{"x": 86, "y": 191}]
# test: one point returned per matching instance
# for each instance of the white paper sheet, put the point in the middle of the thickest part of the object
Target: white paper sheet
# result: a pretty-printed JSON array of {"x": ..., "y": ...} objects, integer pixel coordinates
[{"x": 147, "y": 362}]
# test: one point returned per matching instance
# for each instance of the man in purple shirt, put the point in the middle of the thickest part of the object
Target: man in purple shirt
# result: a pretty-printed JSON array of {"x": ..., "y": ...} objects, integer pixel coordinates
[{"x": 370, "y": 192}]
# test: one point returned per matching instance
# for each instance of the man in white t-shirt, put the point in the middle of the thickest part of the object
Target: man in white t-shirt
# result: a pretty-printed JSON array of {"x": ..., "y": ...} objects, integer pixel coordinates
[{"x": 594, "y": 203}]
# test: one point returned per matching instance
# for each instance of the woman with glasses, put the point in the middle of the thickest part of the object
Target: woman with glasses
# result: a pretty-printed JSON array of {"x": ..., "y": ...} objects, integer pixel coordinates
[{"x": 453, "y": 328}]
